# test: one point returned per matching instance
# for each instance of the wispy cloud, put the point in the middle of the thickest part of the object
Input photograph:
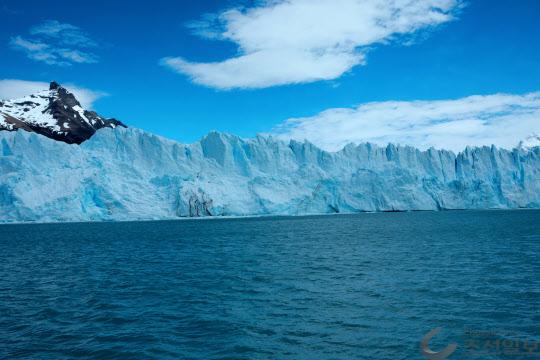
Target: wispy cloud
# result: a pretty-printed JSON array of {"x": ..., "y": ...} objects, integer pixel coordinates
[
  {"x": 56, "y": 43},
  {"x": 499, "y": 119},
  {"x": 15, "y": 88},
  {"x": 66, "y": 34},
  {"x": 4, "y": 8},
  {"x": 299, "y": 41}
]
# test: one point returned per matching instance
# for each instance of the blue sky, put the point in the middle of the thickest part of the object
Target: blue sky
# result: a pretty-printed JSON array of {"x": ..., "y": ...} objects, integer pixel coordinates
[{"x": 182, "y": 69}]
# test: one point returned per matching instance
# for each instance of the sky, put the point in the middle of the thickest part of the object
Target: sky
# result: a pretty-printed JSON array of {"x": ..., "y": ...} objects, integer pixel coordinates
[{"x": 442, "y": 73}]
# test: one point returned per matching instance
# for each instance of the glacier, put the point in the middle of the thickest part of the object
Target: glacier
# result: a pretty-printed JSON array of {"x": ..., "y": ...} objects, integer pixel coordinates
[{"x": 129, "y": 174}]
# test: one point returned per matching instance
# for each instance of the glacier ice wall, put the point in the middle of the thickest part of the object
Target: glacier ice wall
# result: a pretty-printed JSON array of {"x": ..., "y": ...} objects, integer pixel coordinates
[{"x": 129, "y": 174}]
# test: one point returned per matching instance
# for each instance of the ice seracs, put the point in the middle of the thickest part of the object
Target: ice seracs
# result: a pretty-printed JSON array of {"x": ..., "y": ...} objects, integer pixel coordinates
[
  {"x": 54, "y": 113},
  {"x": 129, "y": 174}
]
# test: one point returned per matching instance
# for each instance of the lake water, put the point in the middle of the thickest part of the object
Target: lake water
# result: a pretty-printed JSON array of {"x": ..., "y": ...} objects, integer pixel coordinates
[{"x": 366, "y": 286}]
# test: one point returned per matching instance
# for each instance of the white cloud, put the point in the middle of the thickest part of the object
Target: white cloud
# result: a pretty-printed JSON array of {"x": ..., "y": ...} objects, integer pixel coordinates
[
  {"x": 14, "y": 88},
  {"x": 299, "y": 41},
  {"x": 66, "y": 34},
  {"x": 52, "y": 28},
  {"x": 56, "y": 43},
  {"x": 499, "y": 119},
  {"x": 31, "y": 46},
  {"x": 77, "y": 56}
]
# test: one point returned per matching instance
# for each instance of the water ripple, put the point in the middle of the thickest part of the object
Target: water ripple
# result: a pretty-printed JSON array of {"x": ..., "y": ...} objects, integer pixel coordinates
[{"x": 363, "y": 286}]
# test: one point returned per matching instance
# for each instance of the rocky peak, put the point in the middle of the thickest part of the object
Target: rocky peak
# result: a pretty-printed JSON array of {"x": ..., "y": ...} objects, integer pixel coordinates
[
  {"x": 54, "y": 85},
  {"x": 64, "y": 96},
  {"x": 54, "y": 113}
]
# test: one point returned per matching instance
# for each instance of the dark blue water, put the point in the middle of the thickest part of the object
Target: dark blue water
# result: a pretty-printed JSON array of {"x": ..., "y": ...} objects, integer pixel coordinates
[{"x": 365, "y": 286}]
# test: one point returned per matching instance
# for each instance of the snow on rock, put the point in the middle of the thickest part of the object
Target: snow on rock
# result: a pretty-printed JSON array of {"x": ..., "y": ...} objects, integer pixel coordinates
[
  {"x": 55, "y": 113},
  {"x": 129, "y": 174}
]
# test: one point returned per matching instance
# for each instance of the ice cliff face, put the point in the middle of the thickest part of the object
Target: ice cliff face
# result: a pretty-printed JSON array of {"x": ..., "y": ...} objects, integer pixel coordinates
[
  {"x": 54, "y": 113},
  {"x": 125, "y": 174}
]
